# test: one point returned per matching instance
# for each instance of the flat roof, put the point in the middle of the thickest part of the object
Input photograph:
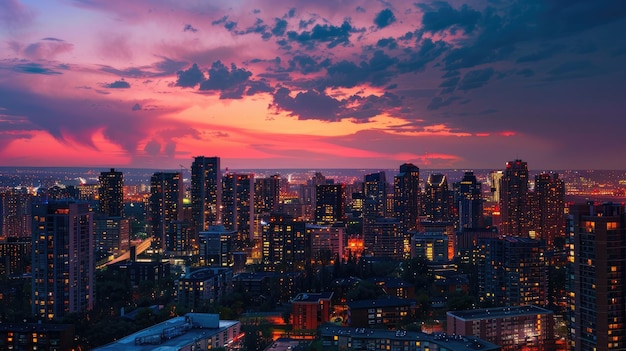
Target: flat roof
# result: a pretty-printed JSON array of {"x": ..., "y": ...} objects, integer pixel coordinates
[
  {"x": 174, "y": 343},
  {"x": 447, "y": 342},
  {"x": 499, "y": 312}
]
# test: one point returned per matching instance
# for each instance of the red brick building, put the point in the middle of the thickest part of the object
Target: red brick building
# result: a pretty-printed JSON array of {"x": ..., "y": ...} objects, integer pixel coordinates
[{"x": 310, "y": 310}]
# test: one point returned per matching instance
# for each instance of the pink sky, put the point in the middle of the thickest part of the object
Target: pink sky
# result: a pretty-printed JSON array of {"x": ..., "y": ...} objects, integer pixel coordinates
[{"x": 301, "y": 84}]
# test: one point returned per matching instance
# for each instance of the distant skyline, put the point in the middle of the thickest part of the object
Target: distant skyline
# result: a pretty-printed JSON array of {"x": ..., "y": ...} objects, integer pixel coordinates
[{"x": 313, "y": 84}]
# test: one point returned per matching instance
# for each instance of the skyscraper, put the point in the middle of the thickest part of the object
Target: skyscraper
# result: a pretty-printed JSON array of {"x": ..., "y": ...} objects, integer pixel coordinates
[
  {"x": 375, "y": 193},
  {"x": 469, "y": 202},
  {"x": 62, "y": 259},
  {"x": 330, "y": 204},
  {"x": 165, "y": 206},
  {"x": 407, "y": 195},
  {"x": 266, "y": 194},
  {"x": 284, "y": 244},
  {"x": 597, "y": 277},
  {"x": 15, "y": 214},
  {"x": 513, "y": 272},
  {"x": 238, "y": 205},
  {"x": 548, "y": 207},
  {"x": 438, "y": 199},
  {"x": 514, "y": 202},
  {"x": 111, "y": 193},
  {"x": 206, "y": 192}
]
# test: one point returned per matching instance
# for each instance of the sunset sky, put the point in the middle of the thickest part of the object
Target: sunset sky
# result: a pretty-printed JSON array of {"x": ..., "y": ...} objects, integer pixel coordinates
[{"x": 313, "y": 84}]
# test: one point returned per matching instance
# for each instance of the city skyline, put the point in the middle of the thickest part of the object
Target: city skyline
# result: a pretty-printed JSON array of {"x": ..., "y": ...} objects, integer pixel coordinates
[{"x": 284, "y": 84}]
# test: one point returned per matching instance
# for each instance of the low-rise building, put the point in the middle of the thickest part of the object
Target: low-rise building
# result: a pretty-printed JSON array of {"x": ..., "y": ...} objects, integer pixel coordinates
[
  {"x": 384, "y": 312},
  {"x": 194, "y": 331},
  {"x": 511, "y": 327},
  {"x": 36, "y": 336},
  {"x": 345, "y": 338},
  {"x": 206, "y": 285},
  {"x": 310, "y": 310}
]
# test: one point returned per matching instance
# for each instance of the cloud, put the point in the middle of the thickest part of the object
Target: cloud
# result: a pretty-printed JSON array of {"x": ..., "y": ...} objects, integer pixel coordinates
[
  {"x": 445, "y": 17},
  {"x": 14, "y": 15},
  {"x": 280, "y": 27},
  {"x": 136, "y": 107},
  {"x": 476, "y": 79},
  {"x": 189, "y": 28},
  {"x": 34, "y": 68},
  {"x": 118, "y": 84},
  {"x": 333, "y": 35},
  {"x": 384, "y": 18},
  {"x": 310, "y": 104},
  {"x": 439, "y": 102},
  {"x": 47, "y": 49},
  {"x": 306, "y": 64},
  {"x": 189, "y": 78},
  {"x": 220, "y": 78}
]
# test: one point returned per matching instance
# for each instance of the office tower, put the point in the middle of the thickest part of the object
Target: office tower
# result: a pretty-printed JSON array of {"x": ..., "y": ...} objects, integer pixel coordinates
[
  {"x": 407, "y": 194},
  {"x": 438, "y": 200},
  {"x": 514, "y": 201},
  {"x": 111, "y": 193},
  {"x": 111, "y": 235},
  {"x": 469, "y": 202},
  {"x": 164, "y": 207},
  {"x": 206, "y": 192},
  {"x": 384, "y": 239},
  {"x": 549, "y": 207},
  {"x": 326, "y": 242},
  {"x": 266, "y": 194},
  {"x": 597, "y": 277},
  {"x": 216, "y": 247},
  {"x": 284, "y": 244},
  {"x": 330, "y": 203},
  {"x": 375, "y": 193},
  {"x": 62, "y": 259},
  {"x": 434, "y": 241},
  {"x": 238, "y": 206},
  {"x": 513, "y": 272},
  {"x": 15, "y": 214},
  {"x": 494, "y": 182}
]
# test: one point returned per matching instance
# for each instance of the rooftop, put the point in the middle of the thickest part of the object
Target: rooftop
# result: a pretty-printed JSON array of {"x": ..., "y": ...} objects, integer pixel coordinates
[
  {"x": 499, "y": 312},
  {"x": 173, "y": 334},
  {"x": 389, "y": 301},
  {"x": 447, "y": 342}
]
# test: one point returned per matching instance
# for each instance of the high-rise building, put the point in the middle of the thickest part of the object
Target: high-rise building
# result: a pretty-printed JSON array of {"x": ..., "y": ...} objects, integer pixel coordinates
[
  {"x": 206, "y": 192},
  {"x": 266, "y": 194},
  {"x": 111, "y": 193},
  {"x": 284, "y": 244},
  {"x": 597, "y": 279},
  {"x": 330, "y": 203},
  {"x": 164, "y": 207},
  {"x": 469, "y": 202},
  {"x": 375, "y": 193},
  {"x": 216, "y": 247},
  {"x": 438, "y": 199},
  {"x": 384, "y": 239},
  {"x": 111, "y": 234},
  {"x": 513, "y": 272},
  {"x": 238, "y": 205},
  {"x": 407, "y": 194},
  {"x": 62, "y": 259},
  {"x": 327, "y": 242},
  {"x": 514, "y": 200},
  {"x": 15, "y": 214},
  {"x": 548, "y": 207}
]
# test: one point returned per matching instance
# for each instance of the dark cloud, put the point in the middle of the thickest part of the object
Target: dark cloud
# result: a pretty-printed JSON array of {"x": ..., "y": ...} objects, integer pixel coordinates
[
  {"x": 526, "y": 72},
  {"x": 163, "y": 68},
  {"x": 34, "y": 68},
  {"x": 439, "y": 102},
  {"x": 280, "y": 27},
  {"x": 136, "y": 107},
  {"x": 571, "y": 69},
  {"x": 384, "y": 18},
  {"x": 333, "y": 35},
  {"x": 541, "y": 54},
  {"x": 475, "y": 79},
  {"x": 190, "y": 77},
  {"x": 118, "y": 84},
  {"x": 310, "y": 104},
  {"x": 360, "y": 9},
  {"x": 428, "y": 52},
  {"x": 306, "y": 64},
  {"x": 445, "y": 17},
  {"x": 189, "y": 28},
  {"x": 258, "y": 86},
  {"x": 390, "y": 43},
  {"x": 231, "y": 83}
]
